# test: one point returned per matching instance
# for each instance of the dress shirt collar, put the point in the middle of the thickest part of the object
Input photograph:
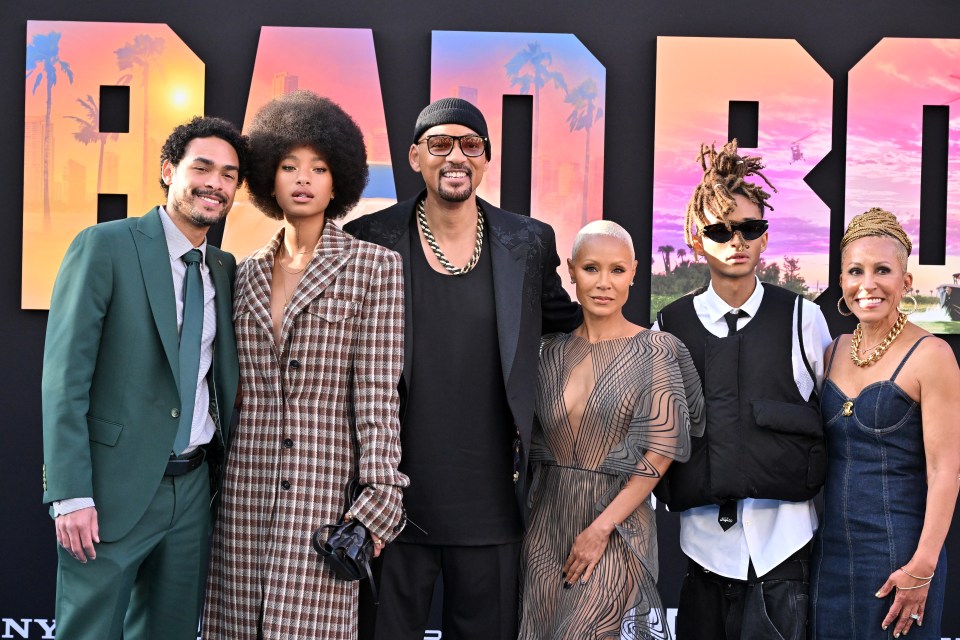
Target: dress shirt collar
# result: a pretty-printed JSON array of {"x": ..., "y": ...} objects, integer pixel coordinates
[
  {"x": 715, "y": 308},
  {"x": 177, "y": 243}
]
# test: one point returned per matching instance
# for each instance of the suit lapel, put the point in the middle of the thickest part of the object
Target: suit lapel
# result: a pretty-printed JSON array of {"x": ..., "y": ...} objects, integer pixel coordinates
[
  {"x": 158, "y": 280},
  {"x": 508, "y": 275},
  {"x": 222, "y": 300},
  {"x": 225, "y": 341},
  {"x": 402, "y": 246}
]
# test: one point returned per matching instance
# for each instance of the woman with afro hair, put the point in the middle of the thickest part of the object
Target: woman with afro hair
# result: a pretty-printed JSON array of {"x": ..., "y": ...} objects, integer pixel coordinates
[{"x": 319, "y": 322}]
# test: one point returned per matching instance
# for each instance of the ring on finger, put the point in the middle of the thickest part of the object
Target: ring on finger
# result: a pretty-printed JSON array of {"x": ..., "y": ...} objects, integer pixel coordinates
[{"x": 915, "y": 616}]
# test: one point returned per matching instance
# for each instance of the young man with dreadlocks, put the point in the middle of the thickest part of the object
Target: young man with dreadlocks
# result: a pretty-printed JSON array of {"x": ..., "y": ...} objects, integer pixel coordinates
[{"x": 745, "y": 495}]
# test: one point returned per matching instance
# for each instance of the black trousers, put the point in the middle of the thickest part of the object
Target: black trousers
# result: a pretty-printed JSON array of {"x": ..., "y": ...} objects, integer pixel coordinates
[
  {"x": 769, "y": 607},
  {"x": 480, "y": 592}
]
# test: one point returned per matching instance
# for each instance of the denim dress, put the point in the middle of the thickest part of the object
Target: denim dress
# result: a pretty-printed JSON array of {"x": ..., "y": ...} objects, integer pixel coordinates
[{"x": 874, "y": 502}]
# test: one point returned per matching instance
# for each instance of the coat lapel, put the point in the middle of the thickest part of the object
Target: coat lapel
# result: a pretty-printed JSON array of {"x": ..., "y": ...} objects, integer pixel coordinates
[
  {"x": 158, "y": 280},
  {"x": 329, "y": 258},
  {"x": 255, "y": 294},
  {"x": 509, "y": 268}
]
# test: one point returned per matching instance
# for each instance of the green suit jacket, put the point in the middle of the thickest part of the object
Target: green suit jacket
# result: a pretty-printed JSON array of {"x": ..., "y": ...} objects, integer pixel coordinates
[{"x": 110, "y": 369}]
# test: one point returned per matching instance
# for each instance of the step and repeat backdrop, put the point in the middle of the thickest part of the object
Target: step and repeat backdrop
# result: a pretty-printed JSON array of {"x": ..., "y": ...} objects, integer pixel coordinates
[{"x": 594, "y": 112}]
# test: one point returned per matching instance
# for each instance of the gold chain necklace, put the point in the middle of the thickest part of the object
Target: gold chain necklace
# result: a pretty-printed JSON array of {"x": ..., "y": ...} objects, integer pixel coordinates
[
  {"x": 288, "y": 294},
  {"x": 432, "y": 242},
  {"x": 291, "y": 271},
  {"x": 881, "y": 348}
]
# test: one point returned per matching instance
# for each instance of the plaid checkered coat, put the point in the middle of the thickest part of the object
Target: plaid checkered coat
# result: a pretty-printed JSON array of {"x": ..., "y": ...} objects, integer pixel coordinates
[{"x": 314, "y": 411}]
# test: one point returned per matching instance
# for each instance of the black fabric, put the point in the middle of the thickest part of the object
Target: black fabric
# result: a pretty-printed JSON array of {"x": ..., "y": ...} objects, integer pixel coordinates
[
  {"x": 748, "y": 450},
  {"x": 530, "y": 302},
  {"x": 480, "y": 595},
  {"x": 713, "y": 607},
  {"x": 457, "y": 432}
]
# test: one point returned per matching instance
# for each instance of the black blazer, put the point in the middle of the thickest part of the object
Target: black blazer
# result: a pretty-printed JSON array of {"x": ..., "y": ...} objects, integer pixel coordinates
[{"x": 529, "y": 299}]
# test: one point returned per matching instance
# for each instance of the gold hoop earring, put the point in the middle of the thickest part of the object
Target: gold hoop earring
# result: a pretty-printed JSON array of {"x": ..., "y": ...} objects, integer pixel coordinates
[
  {"x": 840, "y": 311},
  {"x": 913, "y": 300}
]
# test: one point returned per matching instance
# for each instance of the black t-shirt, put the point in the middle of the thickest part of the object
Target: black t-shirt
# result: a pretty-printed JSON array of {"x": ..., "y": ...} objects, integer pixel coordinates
[{"x": 457, "y": 431}]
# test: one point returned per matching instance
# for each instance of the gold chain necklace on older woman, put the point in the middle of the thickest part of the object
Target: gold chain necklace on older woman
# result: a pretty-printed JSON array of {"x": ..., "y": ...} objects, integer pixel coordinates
[{"x": 881, "y": 348}]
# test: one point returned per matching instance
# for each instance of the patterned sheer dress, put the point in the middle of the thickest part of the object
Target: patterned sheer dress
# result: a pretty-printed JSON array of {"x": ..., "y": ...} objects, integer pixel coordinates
[{"x": 645, "y": 396}]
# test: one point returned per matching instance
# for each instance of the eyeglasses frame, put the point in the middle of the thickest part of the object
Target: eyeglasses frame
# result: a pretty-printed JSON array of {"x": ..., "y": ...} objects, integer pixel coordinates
[{"x": 456, "y": 139}]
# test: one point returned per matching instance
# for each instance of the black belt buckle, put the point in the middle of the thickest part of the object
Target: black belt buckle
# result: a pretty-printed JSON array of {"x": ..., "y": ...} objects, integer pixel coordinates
[{"x": 178, "y": 466}]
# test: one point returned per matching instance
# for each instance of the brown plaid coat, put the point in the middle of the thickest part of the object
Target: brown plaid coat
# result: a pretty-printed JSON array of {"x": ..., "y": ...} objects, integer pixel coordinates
[{"x": 312, "y": 412}]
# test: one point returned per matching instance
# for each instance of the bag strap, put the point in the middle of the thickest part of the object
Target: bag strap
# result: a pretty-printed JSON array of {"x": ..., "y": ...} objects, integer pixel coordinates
[
  {"x": 373, "y": 585},
  {"x": 803, "y": 351}
]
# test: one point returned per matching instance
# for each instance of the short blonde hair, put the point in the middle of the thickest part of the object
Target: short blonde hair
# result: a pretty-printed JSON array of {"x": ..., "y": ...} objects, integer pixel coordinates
[{"x": 602, "y": 228}]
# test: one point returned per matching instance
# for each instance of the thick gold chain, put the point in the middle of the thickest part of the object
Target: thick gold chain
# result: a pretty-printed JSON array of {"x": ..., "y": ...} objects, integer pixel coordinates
[{"x": 881, "y": 348}]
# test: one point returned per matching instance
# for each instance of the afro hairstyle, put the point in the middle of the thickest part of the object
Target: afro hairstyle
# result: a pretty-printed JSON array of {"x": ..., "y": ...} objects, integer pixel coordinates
[{"x": 304, "y": 119}]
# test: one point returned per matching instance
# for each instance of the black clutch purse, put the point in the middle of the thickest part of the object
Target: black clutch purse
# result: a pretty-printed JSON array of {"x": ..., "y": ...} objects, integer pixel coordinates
[{"x": 347, "y": 546}]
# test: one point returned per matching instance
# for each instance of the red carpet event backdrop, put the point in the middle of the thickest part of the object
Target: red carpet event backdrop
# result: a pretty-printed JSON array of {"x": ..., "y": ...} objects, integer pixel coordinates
[{"x": 594, "y": 112}]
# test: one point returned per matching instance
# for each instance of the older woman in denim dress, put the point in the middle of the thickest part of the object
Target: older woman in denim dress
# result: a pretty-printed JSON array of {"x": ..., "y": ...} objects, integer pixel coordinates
[{"x": 879, "y": 565}]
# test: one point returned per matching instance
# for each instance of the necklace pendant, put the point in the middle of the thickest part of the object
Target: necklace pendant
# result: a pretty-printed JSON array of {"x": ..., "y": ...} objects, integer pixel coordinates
[{"x": 848, "y": 408}]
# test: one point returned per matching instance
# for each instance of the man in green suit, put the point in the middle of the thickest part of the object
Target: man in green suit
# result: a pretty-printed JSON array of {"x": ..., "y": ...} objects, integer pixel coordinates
[{"x": 139, "y": 380}]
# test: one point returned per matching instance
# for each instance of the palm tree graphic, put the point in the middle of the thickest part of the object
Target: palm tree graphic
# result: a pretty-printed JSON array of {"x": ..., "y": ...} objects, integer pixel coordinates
[
  {"x": 138, "y": 55},
  {"x": 539, "y": 75},
  {"x": 43, "y": 59},
  {"x": 584, "y": 114},
  {"x": 89, "y": 131}
]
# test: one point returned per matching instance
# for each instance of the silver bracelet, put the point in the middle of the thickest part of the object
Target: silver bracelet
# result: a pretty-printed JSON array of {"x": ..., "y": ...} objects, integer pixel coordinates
[
  {"x": 919, "y": 586},
  {"x": 929, "y": 577}
]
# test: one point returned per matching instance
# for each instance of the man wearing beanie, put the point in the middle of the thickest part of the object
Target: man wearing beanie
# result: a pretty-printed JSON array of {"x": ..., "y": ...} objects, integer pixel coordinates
[{"x": 481, "y": 286}]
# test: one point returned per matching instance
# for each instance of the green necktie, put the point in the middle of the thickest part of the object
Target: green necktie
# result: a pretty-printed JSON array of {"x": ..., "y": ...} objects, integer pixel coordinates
[{"x": 190, "y": 333}]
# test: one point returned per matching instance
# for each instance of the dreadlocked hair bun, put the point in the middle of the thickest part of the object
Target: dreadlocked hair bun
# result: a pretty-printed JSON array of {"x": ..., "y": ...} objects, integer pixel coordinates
[{"x": 724, "y": 174}]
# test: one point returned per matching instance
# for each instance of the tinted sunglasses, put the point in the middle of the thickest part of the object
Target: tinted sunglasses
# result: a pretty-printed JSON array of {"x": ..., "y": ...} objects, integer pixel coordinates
[
  {"x": 471, "y": 145},
  {"x": 749, "y": 229}
]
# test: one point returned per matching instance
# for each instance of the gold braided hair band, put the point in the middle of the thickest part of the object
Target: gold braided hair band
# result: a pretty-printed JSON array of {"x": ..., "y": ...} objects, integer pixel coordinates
[{"x": 875, "y": 222}]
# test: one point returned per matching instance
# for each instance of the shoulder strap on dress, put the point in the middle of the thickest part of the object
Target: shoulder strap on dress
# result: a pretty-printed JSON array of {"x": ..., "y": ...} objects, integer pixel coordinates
[
  {"x": 833, "y": 352},
  {"x": 904, "y": 361}
]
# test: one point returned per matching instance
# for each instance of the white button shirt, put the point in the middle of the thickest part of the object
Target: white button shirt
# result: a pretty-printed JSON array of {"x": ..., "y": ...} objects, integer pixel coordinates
[{"x": 767, "y": 531}]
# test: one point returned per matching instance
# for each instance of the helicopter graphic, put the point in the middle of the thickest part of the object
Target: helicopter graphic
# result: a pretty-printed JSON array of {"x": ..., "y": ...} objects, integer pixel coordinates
[{"x": 796, "y": 151}]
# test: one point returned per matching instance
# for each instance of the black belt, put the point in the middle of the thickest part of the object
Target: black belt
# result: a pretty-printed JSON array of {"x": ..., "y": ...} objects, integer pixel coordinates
[
  {"x": 180, "y": 465},
  {"x": 796, "y": 567}
]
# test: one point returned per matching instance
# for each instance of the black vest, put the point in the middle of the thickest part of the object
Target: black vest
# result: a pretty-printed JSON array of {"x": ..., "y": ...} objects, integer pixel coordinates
[{"x": 762, "y": 439}]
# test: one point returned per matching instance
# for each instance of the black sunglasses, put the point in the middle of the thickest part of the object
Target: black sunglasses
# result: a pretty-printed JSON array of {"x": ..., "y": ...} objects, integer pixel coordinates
[{"x": 749, "y": 229}]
